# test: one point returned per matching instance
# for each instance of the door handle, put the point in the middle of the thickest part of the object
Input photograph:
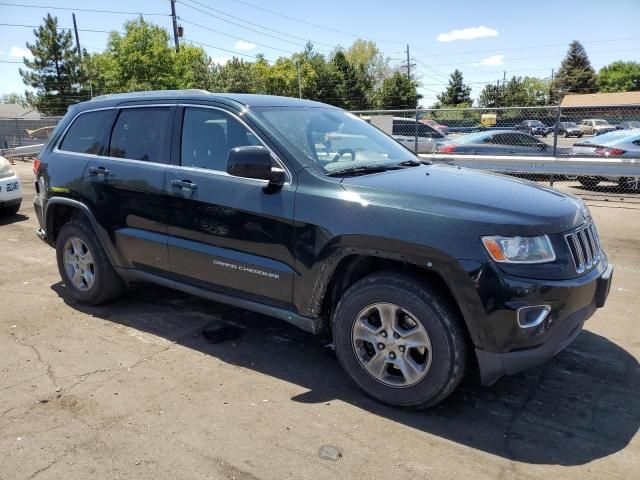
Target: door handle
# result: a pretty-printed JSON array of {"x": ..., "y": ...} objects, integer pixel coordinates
[
  {"x": 184, "y": 184},
  {"x": 98, "y": 171}
]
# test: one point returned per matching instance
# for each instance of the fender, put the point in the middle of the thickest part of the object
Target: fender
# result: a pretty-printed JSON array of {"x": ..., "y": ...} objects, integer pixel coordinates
[
  {"x": 101, "y": 233},
  {"x": 457, "y": 275}
]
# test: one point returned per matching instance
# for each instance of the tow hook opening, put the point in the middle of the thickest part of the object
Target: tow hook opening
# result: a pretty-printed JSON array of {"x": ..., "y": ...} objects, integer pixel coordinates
[{"x": 532, "y": 316}]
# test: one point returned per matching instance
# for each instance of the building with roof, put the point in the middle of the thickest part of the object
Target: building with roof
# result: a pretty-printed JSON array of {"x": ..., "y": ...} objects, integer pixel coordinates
[{"x": 601, "y": 99}]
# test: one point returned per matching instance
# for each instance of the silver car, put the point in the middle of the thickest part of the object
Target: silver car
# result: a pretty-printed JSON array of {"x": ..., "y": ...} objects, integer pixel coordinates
[{"x": 620, "y": 143}]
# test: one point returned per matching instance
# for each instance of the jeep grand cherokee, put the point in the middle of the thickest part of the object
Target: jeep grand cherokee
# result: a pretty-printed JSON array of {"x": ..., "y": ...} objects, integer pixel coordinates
[{"x": 301, "y": 211}]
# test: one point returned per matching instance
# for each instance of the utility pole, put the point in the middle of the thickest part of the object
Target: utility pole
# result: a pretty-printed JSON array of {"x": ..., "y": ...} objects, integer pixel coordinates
[
  {"x": 175, "y": 25},
  {"x": 504, "y": 78},
  {"x": 552, "y": 72},
  {"x": 79, "y": 50},
  {"x": 299, "y": 84},
  {"x": 75, "y": 28}
]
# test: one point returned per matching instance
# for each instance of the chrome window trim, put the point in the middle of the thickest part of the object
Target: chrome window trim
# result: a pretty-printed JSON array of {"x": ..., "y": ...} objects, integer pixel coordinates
[
  {"x": 274, "y": 156},
  {"x": 57, "y": 150}
]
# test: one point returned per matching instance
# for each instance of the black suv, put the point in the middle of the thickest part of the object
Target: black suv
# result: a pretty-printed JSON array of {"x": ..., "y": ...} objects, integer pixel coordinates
[
  {"x": 304, "y": 212},
  {"x": 533, "y": 127}
]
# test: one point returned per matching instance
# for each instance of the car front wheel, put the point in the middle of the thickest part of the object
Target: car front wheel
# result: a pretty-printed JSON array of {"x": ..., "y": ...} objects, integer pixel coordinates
[{"x": 399, "y": 340}]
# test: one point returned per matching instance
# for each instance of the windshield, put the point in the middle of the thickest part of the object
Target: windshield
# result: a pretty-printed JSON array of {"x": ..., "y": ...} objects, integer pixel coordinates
[
  {"x": 536, "y": 123},
  {"x": 600, "y": 122},
  {"x": 570, "y": 125},
  {"x": 334, "y": 139}
]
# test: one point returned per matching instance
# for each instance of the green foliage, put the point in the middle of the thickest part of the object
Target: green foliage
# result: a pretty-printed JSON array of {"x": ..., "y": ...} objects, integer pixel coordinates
[
  {"x": 14, "y": 98},
  {"x": 518, "y": 92},
  {"x": 397, "y": 92},
  {"x": 619, "y": 77},
  {"x": 457, "y": 94},
  {"x": 576, "y": 75},
  {"x": 143, "y": 58},
  {"x": 55, "y": 72}
]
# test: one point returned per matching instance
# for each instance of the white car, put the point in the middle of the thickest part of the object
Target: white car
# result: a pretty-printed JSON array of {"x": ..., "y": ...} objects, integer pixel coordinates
[{"x": 10, "y": 189}]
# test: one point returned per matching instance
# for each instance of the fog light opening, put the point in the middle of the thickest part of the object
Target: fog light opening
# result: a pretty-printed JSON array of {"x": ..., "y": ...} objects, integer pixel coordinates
[{"x": 532, "y": 316}]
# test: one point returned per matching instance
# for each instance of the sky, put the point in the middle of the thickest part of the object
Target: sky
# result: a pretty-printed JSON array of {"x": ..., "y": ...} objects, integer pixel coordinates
[{"x": 482, "y": 38}]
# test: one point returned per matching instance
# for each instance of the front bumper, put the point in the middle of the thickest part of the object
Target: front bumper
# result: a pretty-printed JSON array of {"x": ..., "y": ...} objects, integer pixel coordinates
[
  {"x": 523, "y": 348},
  {"x": 12, "y": 197}
]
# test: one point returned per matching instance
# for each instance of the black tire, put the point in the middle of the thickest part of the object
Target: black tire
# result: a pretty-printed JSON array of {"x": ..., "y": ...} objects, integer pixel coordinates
[
  {"x": 589, "y": 182},
  {"x": 432, "y": 310},
  {"x": 580, "y": 135},
  {"x": 12, "y": 210},
  {"x": 107, "y": 285}
]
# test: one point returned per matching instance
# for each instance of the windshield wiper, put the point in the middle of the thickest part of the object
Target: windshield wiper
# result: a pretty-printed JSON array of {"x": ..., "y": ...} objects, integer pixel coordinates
[
  {"x": 363, "y": 170},
  {"x": 410, "y": 163}
]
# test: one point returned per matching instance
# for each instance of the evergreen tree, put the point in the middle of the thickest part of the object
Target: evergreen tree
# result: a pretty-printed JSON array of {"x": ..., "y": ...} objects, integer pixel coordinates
[
  {"x": 457, "y": 93},
  {"x": 576, "y": 75},
  {"x": 397, "y": 92},
  {"x": 55, "y": 72},
  {"x": 351, "y": 89}
]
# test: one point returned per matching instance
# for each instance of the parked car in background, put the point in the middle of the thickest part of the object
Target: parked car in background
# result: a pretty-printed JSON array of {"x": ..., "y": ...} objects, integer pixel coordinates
[
  {"x": 569, "y": 129},
  {"x": 496, "y": 142},
  {"x": 10, "y": 191},
  {"x": 628, "y": 125},
  {"x": 596, "y": 126},
  {"x": 619, "y": 143},
  {"x": 443, "y": 129},
  {"x": 407, "y": 131},
  {"x": 533, "y": 127}
]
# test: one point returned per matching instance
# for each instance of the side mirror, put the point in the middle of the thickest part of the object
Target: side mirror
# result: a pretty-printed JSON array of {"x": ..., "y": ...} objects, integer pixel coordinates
[{"x": 254, "y": 162}]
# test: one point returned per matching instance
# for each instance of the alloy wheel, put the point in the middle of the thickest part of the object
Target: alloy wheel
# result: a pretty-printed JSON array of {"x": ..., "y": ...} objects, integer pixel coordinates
[
  {"x": 391, "y": 345},
  {"x": 78, "y": 263}
]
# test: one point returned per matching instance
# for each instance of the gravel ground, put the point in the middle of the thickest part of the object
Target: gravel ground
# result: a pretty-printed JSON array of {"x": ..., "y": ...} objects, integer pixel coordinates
[{"x": 133, "y": 390}]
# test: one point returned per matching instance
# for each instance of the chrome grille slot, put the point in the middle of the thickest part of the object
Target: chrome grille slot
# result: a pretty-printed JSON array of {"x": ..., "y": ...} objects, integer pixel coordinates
[{"x": 584, "y": 246}]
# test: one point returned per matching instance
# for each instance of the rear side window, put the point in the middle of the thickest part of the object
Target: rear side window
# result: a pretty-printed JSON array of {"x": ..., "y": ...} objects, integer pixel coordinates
[
  {"x": 140, "y": 133},
  {"x": 88, "y": 133}
]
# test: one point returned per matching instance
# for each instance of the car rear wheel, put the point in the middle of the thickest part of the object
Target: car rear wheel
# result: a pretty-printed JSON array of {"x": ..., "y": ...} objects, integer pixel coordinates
[
  {"x": 84, "y": 266},
  {"x": 629, "y": 183},
  {"x": 588, "y": 182},
  {"x": 401, "y": 342}
]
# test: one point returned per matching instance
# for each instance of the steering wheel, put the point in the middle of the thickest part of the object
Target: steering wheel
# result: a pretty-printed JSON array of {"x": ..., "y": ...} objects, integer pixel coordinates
[{"x": 344, "y": 151}]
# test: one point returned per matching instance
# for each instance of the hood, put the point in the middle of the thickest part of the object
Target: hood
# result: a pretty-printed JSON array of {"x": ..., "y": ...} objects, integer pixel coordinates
[{"x": 519, "y": 206}]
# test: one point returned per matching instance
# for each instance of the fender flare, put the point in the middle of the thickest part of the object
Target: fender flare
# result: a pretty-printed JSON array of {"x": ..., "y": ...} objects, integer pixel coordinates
[{"x": 101, "y": 233}]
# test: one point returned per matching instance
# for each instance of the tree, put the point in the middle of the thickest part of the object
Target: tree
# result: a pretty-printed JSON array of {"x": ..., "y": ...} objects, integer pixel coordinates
[
  {"x": 397, "y": 92},
  {"x": 55, "y": 72},
  {"x": 352, "y": 88},
  {"x": 235, "y": 76},
  {"x": 14, "y": 98},
  {"x": 457, "y": 93},
  {"x": 490, "y": 96},
  {"x": 365, "y": 56},
  {"x": 619, "y": 77},
  {"x": 576, "y": 75}
]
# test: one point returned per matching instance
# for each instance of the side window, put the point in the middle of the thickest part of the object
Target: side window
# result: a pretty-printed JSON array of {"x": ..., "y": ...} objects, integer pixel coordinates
[
  {"x": 139, "y": 134},
  {"x": 525, "y": 140},
  {"x": 88, "y": 133},
  {"x": 208, "y": 135}
]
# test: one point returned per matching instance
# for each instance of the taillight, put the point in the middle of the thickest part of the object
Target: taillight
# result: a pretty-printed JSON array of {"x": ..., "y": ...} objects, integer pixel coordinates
[
  {"x": 609, "y": 152},
  {"x": 36, "y": 166},
  {"x": 447, "y": 148}
]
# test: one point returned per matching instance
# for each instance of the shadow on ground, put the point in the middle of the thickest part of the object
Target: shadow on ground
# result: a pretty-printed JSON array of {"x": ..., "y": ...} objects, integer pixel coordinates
[
  {"x": 581, "y": 406},
  {"x": 15, "y": 218}
]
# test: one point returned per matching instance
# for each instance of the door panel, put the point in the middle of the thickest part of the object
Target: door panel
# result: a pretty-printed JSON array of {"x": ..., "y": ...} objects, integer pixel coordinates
[
  {"x": 225, "y": 232},
  {"x": 127, "y": 188}
]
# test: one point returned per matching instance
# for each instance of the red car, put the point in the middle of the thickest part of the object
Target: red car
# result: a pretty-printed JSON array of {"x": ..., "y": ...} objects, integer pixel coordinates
[{"x": 443, "y": 129}]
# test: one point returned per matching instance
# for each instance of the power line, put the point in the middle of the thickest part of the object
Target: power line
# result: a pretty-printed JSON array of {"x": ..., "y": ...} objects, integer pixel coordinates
[
  {"x": 220, "y": 48},
  {"x": 58, "y": 28},
  {"x": 315, "y": 42},
  {"x": 233, "y": 36},
  {"x": 23, "y": 5},
  {"x": 315, "y": 24},
  {"x": 241, "y": 26}
]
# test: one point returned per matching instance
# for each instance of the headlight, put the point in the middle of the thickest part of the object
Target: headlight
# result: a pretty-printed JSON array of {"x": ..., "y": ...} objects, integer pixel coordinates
[
  {"x": 520, "y": 249},
  {"x": 6, "y": 170}
]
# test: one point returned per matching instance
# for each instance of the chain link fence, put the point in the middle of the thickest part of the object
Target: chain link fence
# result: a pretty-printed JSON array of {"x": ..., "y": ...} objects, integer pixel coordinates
[
  {"x": 587, "y": 150},
  {"x": 18, "y": 133}
]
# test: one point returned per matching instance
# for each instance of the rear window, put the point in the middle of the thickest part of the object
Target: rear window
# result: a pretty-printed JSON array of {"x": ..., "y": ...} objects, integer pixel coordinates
[
  {"x": 87, "y": 133},
  {"x": 139, "y": 134}
]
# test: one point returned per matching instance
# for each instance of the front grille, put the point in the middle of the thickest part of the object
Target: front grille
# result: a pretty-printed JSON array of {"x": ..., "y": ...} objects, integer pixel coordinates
[{"x": 584, "y": 245}]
